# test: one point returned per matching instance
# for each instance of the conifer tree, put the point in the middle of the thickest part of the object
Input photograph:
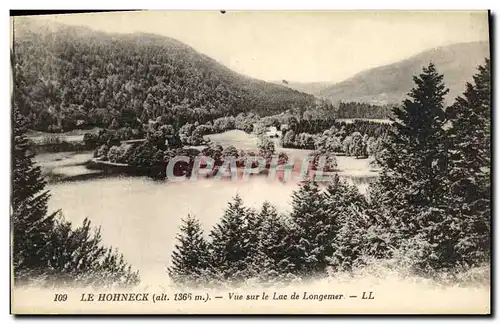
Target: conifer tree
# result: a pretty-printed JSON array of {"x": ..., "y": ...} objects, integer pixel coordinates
[
  {"x": 79, "y": 259},
  {"x": 340, "y": 195},
  {"x": 311, "y": 240},
  {"x": 190, "y": 258},
  {"x": 45, "y": 248},
  {"x": 255, "y": 256},
  {"x": 272, "y": 244},
  {"x": 261, "y": 267},
  {"x": 379, "y": 235},
  {"x": 470, "y": 164},
  {"x": 31, "y": 224},
  {"x": 253, "y": 229},
  {"x": 413, "y": 179},
  {"x": 349, "y": 223},
  {"x": 351, "y": 240},
  {"x": 229, "y": 246}
]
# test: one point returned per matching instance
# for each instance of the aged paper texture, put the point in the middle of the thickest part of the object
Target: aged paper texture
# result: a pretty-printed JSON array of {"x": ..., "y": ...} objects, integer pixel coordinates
[{"x": 251, "y": 162}]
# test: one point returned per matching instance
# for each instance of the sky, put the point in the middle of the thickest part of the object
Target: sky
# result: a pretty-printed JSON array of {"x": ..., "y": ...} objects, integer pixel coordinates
[{"x": 301, "y": 46}]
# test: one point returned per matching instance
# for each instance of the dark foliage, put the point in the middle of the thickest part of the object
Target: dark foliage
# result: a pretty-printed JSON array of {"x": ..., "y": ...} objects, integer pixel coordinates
[
  {"x": 470, "y": 166},
  {"x": 190, "y": 259},
  {"x": 363, "y": 110},
  {"x": 45, "y": 248},
  {"x": 429, "y": 211},
  {"x": 77, "y": 78}
]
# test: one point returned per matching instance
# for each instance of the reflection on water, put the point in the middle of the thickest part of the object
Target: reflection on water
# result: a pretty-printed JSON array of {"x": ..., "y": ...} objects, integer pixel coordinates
[{"x": 141, "y": 216}]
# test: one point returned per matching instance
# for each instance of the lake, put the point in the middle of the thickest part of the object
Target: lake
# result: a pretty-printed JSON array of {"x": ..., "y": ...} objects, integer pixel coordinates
[{"x": 140, "y": 216}]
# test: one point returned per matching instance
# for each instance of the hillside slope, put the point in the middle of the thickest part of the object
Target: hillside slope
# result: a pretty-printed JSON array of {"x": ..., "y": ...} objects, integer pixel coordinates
[
  {"x": 66, "y": 76},
  {"x": 313, "y": 88},
  {"x": 389, "y": 84}
]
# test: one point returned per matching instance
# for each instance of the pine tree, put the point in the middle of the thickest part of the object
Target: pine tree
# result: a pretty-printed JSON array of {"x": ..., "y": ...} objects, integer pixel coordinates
[
  {"x": 350, "y": 242},
  {"x": 271, "y": 248},
  {"x": 31, "y": 224},
  {"x": 260, "y": 266},
  {"x": 45, "y": 248},
  {"x": 190, "y": 257},
  {"x": 79, "y": 259},
  {"x": 229, "y": 246},
  {"x": 349, "y": 223},
  {"x": 470, "y": 164},
  {"x": 252, "y": 237},
  {"x": 311, "y": 240},
  {"x": 414, "y": 166},
  {"x": 380, "y": 236}
]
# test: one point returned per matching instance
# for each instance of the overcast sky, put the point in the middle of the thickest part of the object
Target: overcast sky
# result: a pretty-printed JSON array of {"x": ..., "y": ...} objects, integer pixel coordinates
[{"x": 299, "y": 46}]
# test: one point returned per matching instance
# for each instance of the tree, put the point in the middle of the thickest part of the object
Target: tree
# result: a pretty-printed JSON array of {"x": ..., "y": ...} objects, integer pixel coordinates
[
  {"x": 347, "y": 208},
  {"x": 215, "y": 152},
  {"x": 230, "y": 152},
  {"x": 320, "y": 143},
  {"x": 346, "y": 145},
  {"x": 79, "y": 259},
  {"x": 377, "y": 150},
  {"x": 413, "y": 176},
  {"x": 114, "y": 124},
  {"x": 333, "y": 144},
  {"x": 470, "y": 164},
  {"x": 273, "y": 231},
  {"x": 47, "y": 249},
  {"x": 185, "y": 133},
  {"x": 311, "y": 240},
  {"x": 102, "y": 151},
  {"x": 256, "y": 258},
  {"x": 357, "y": 145},
  {"x": 190, "y": 259},
  {"x": 90, "y": 140},
  {"x": 113, "y": 154},
  {"x": 282, "y": 158},
  {"x": 266, "y": 147},
  {"x": 371, "y": 146},
  {"x": 146, "y": 155},
  {"x": 329, "y": 161},
  {"x": 260, "y": 129},
  {"x": 288, "y": 139},
  {"x": 31, "y": 224},
  {"x": 270, "y": 249},
  {"x": 228, "y": 247}
]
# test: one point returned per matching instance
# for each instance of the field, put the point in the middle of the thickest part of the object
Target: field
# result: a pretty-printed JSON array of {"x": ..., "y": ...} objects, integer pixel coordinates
[
  {"x": 358, "y": 171},
  {"x": 237, "y": 138},
  {"x": 63, "y": 164},
  {"x": 57, "y": 166},
  {"x": 72, "y": 136}
]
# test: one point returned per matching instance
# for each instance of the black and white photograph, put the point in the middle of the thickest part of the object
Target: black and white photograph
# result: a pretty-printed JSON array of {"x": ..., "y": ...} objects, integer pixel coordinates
[{"x": 251, "y": 162}]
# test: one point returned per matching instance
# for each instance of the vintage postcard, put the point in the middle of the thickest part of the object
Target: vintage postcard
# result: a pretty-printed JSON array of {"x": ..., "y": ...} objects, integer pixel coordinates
[{"x": 251, "y": 162}]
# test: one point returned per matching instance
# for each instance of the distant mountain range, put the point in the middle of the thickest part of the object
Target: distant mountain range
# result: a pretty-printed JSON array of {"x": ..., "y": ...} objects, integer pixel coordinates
[
  {"x": 389, "y": 84},
  {"x": 68, "y": 75}
]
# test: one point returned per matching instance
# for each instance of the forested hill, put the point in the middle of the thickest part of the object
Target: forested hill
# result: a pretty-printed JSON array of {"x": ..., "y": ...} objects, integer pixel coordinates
[
  {"x": 68, "y": 77},
  {"x": 391, "y": 83}
]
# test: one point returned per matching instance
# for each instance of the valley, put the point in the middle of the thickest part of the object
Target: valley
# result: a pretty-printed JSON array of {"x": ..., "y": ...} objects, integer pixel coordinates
[{"x": 131, "y": 152}]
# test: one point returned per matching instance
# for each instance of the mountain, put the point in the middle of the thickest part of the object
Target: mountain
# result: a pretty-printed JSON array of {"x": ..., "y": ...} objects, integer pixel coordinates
[
  {"x": 389, "y": 84},
  {"x": 68, "y": 77},
  {"x": 313, "y": 88}
]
